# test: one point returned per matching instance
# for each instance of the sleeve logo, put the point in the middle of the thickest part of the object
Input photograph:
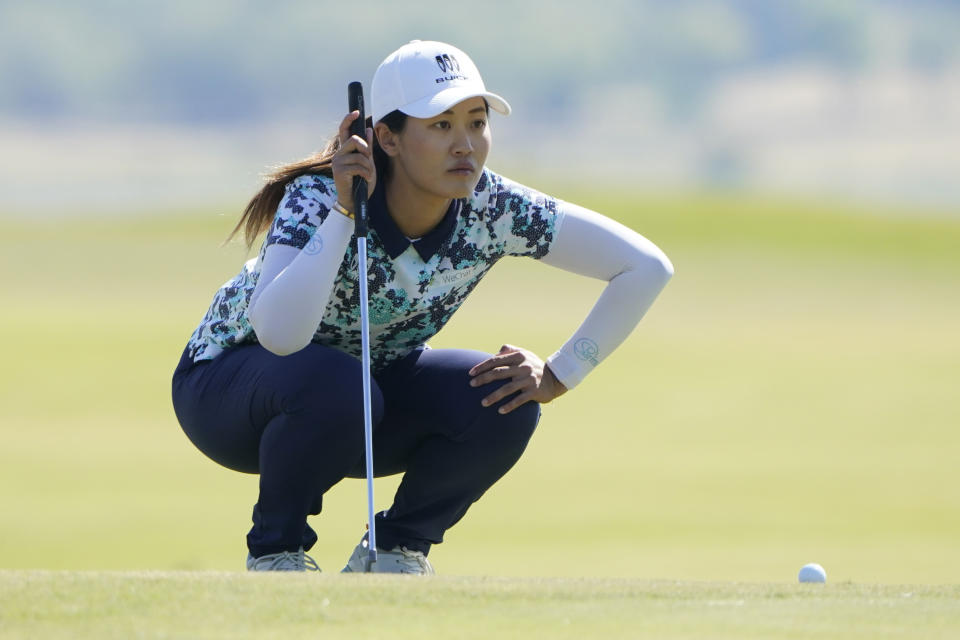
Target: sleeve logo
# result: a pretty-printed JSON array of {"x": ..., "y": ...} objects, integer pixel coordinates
[{"x": 587, "y": 350}]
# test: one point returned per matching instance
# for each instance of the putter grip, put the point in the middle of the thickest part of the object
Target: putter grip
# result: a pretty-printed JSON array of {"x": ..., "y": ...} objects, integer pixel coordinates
[{"x": 358, "y": 128}]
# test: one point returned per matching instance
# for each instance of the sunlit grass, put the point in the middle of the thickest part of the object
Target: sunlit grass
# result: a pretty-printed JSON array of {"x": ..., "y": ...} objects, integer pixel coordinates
[
  {"x": 790, "y": 398},
  {"x": 80, "y": 605}
]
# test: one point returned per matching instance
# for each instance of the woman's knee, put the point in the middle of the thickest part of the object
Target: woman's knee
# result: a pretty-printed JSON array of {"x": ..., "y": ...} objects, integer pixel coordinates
[
  {"x": 523, "y": 420},
  {"x": 513, "y": 429}
]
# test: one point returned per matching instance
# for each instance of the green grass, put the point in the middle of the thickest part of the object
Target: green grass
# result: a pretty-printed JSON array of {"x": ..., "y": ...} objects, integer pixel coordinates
[
  {"x": 790, "y": 398},
  {"x": 81, "y": 605}
]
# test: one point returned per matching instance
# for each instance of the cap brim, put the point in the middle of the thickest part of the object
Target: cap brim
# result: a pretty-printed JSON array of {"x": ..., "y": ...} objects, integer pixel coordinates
[{"x": 437, "y": 104}]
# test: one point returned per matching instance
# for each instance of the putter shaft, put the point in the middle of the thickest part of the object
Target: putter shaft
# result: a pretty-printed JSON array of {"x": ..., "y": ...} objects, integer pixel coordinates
[{"x": 367, "y": 406}]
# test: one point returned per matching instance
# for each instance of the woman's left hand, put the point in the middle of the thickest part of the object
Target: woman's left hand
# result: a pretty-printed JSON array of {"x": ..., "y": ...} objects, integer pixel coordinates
[{"x": 527, "y": 373}]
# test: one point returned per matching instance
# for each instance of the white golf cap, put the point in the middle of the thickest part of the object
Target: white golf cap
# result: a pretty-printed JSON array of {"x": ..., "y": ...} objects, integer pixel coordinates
[{"x": 425, "y": 78}]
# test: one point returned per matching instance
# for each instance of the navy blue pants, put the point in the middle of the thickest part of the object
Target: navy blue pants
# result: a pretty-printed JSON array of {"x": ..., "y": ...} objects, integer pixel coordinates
[{"x": 297, "y": 420}]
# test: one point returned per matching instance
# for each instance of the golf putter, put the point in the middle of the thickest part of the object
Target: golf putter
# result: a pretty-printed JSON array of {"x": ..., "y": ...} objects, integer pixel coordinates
[{"x": 359, "y": 128}]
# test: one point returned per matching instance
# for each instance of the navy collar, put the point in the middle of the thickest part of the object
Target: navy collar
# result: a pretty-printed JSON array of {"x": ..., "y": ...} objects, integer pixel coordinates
[{"x": 393, "y": 239}]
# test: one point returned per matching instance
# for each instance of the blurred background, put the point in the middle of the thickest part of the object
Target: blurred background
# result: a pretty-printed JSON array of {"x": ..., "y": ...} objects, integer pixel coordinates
[
  {"x": 790, "y": 398},
  {"x": 182, "y": 101}
]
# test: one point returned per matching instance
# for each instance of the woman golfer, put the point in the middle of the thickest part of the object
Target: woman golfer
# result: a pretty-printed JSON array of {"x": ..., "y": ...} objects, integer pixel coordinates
[{"x": 270, "y": 381}]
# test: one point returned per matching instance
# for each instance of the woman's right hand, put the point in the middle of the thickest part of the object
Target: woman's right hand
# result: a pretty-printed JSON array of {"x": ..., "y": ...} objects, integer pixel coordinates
[{"x": 353, "y": 158}]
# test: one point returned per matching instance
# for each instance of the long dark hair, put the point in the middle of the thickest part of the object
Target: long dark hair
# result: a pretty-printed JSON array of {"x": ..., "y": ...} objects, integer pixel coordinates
[{"x": 260, "y": 211}]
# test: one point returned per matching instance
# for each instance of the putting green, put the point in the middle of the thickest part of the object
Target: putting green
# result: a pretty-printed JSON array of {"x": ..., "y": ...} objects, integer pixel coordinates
[{"x": 96, "y": 605}]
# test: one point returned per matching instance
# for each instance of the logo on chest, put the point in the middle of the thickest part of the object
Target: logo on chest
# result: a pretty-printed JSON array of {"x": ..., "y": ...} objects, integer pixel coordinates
[{"x": 457, "y": 276}]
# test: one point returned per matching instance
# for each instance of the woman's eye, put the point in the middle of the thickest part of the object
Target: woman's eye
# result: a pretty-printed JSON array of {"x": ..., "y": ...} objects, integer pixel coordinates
[
  {"x": 479, "y": 124},
  {"x": 443, "y": 124}
]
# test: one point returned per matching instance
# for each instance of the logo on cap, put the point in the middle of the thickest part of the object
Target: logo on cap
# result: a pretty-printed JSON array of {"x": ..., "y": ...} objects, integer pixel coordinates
[{"x": 447, "y": 62}]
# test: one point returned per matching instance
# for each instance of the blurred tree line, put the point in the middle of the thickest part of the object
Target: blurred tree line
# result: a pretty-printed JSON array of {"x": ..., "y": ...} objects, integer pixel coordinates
[{"x": 229, "y": 62}]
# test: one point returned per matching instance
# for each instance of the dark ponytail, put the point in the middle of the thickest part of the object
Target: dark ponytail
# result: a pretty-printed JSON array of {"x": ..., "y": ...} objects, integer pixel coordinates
[{"x": 260, "y": 211}]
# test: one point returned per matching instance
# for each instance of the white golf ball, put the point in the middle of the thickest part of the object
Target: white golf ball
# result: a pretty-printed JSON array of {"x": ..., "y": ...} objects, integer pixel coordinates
[{"x": 812, "y": 573}]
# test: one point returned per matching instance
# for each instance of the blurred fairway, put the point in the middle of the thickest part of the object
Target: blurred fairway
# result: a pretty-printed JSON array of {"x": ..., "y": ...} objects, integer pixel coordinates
[{"x": 792, "y": 397}]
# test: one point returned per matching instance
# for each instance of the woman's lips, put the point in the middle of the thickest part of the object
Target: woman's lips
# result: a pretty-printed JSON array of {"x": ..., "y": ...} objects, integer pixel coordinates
[{"x": 462, "y": 170}]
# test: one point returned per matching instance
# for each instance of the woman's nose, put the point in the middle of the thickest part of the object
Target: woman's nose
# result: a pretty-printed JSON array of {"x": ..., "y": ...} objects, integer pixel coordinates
[{"x": 463, "y": 145}]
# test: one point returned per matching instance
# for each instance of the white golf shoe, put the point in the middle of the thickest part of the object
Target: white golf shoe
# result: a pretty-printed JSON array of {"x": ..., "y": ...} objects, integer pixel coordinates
[
  {"x": 399, "y": 560},
  {"x": 283, "y": 561}
]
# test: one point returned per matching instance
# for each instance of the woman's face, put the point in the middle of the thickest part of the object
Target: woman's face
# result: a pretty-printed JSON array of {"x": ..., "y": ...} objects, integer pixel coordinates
[{"x": 444, "y": 155}]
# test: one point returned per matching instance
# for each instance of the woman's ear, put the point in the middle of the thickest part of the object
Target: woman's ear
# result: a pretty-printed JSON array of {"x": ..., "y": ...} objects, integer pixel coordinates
[{"x": 387, "y": 139}]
